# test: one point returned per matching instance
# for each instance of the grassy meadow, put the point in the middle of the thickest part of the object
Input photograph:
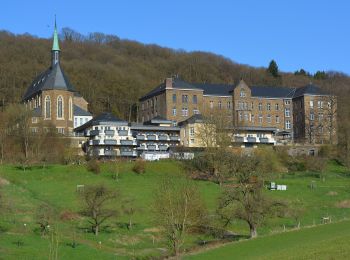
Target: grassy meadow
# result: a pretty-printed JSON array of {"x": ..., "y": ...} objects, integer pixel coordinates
[{"x": 24, "y": 191}]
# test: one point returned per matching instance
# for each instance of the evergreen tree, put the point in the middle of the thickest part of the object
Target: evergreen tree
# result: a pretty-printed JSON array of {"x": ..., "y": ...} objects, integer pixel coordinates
[
  {"x": 320, "y": 75},
  {"x": 273, "y": 68}
]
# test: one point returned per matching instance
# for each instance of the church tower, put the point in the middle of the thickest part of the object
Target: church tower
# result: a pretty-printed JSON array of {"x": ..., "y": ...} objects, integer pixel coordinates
[{"x": 52, "y": 98}]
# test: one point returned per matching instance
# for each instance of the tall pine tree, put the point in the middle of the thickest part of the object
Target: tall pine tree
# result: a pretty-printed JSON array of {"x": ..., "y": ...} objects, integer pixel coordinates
[{"x": 273, "y": 68}]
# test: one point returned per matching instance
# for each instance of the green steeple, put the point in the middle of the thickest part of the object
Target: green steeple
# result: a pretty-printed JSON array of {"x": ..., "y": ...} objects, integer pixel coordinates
[{"x": 55, "y": 45}]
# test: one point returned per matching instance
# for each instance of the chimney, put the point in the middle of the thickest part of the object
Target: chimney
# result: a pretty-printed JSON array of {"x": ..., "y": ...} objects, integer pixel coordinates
[{"x": 169, "y": 83}]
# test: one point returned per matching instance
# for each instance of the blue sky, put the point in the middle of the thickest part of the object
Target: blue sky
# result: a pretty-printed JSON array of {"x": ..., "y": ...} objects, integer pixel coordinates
[{"x": 309, "y": 34}]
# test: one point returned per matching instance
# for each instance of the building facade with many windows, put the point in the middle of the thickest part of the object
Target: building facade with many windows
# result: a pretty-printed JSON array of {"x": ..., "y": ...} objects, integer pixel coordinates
[{"x": 306, "y": 114}]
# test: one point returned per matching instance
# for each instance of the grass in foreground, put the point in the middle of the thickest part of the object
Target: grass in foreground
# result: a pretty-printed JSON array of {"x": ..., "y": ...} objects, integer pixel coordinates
[{"x": 329, "y": 241}]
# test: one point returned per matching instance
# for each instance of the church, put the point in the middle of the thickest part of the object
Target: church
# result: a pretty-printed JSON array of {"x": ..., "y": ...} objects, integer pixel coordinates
[{"x": 53, "y": 99}]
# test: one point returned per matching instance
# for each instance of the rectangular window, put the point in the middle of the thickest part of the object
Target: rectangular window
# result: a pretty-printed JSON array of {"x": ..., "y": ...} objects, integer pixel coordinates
[
  {"x": 252, "y": 105},
  {"x": 287, "y": 112},
  {"x": 287, "y": 102},
  {"x": 312, "y": 116},
  {"x": 288, "y": 124},
  {"x": 268, "y": 106},
  {"x": 246, "y": 117},
  {"x": 211, "y": 104},
  {"x": 320, "y": 117},
  {"x": 260, "y": 119},
  {"x": 191, "y": 131},
  {"x": 277, "y": 119},
  {"x": 277, "y": 107},
  {"x": 34, "y": 120},
  {"x": 184, "y": 99},
  {"x": 174, "y": 111},
  {"x": 219, "y": 105},
  {"x": 311, "y": 104},
  {"x": 184, "y": 111},
  {"x": 143, "y": 106},
  {"x": 174, "y": 98},
  {"x": 228, "y": 105},
  {"x": 242, "y": 93},
  {"x": 195, "y": 111},
  {"x": 60, "y": 130},
  {"x": 80, "y": 121},
  {"x": 252, "y": 118},
  {"x": 75, "y": 122},
  {"x": 194, "y": 99},
  {"x": 320, "y": 104},
  {"x": 240, "y": 116},
  {"x": 192, "y": 141},
  {"x": 260, "y": 106},
  {"x": 269, "y": 119}
]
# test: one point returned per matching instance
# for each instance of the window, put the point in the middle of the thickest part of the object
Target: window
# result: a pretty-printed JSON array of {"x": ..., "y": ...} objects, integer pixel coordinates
[
  {"x": 269, "y": 119},
  {"x": 143, "y": 106},
  {"x": 268, "y": 106},
  {"x": 240, "y": 116},
  {"x": 174, "y": 111},
  {"x": 246, "y": 117},
  {"x": 260, "y": 106},
  {"x": 192, "y": 141},
  {"x": 211, "y": 104},
  {"x": 184, "y": 112},
  {"x": 320, "y": 117},
  {"x": 70, "y": 109},
  {"x": 47, "y": 107},
  {"x": 287, "y": 112},
  {"x": 75, "y": 122},
  {"x": 240, "y": 105},
  {"x": 260, "y": 119},
  {"x": 184, "y": 99},
  {"x": 287, "y": 102},
  {"x": 60, "y": 130},
  {"x": 242, "y": 93},
  {"x": 228, "y": 105},
  {"x": 219, "y": 104},
  {"x": 34, "y": 120},
  {"x": 311, "y": 104},
  {"x": 277, "y": 107},
  {"x": 312, "y": 116},
  {"x": 287, "y": 124},
  {"x": 60, "y": 107},
  {"x": 252, "y": 105},
  {"x": 191, "y": 131},
  {"x": 80, "y": 121},
  {"x": 277, "y": 119},
  {"x": 174, "y": 98},
  {"x": 195, "y": 111},
  {"x": 194, "y": 99},
  {"x": 320, "y": 104},
  {"x": 252, "y": 118},
  {"x": 34, "y": 130}
]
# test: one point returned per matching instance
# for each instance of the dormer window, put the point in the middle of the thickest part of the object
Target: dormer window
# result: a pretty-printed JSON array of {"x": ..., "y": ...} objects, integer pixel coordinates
[{"x": 242, "y": 93}]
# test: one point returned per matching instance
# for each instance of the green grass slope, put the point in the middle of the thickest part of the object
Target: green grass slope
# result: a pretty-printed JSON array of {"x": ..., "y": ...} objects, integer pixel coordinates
[{"x": 329, "y": 241}]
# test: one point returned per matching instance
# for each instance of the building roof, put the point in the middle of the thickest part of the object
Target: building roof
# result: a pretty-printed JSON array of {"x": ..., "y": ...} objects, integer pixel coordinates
[
  {"x": 158, "y": 120},
  {"x": 55, "y": 45},
  {"x": 197, "y": 118},
  {"x": 272, "y": 92},
  {"x": 78, "y": 111},
  {"x": 215, "y": 89},
  {"x": 52, "y": 78},
  {"x": 142, "y": 127},
  {"x": 309, "y": 89},
  {"x": 102, "y": 119}
]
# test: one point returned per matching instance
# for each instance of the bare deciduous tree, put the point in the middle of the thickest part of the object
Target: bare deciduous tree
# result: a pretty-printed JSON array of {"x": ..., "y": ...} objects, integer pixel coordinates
[{"x": 96, "y": 205}]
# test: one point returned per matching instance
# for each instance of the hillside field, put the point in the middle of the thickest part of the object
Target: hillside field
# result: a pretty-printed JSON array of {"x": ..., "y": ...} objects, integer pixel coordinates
[{"x": 24, "y": 191}]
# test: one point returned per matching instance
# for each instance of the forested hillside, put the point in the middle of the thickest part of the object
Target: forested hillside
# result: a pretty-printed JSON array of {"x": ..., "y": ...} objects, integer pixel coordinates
[{"x": 112, "y": 73}]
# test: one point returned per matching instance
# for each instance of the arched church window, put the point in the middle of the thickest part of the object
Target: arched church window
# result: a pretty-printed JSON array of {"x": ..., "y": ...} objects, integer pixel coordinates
[
  {"x": 70, "y": 109},
  {"x": 47, "y": 107},
  {"x": 60, "y": 107}
]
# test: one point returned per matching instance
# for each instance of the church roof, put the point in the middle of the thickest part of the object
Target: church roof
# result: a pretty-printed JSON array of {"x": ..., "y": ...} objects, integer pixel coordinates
[
  {"x": 78, "y": 111},
  {"x": 52, "y": 78}
]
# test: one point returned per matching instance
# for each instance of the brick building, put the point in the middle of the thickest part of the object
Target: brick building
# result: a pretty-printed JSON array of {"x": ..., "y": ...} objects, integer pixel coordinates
[
  {"x": 54, "y": 100},
  {"x": 254, "y": 113}
]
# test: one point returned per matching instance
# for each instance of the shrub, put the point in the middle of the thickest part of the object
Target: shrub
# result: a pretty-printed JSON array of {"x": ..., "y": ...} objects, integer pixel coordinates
[
  {"x": 93, "y": 166},
  {"x": 315, "y": 164},
  {"x": 139, "y": 166}
]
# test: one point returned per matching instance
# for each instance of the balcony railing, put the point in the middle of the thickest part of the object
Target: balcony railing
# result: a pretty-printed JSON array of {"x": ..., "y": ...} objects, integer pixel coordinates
[
  {"x": 163, "y": 137},
  {"x": 122, "y": 132},
  {"x": 127, "y": 142},
  {"x": 94, "y": 132},
  {"x": 152, "y": 147},
  {"x": 151, "y": 137},
  {"x": 264, "y": 140},
  {"x": 163, "y": 147},
  {"x": 174, "y": 138},
  {"x": 95, "y": 142},
  {"x": 128, "y": 153},
  {"x": 109, "y": 132},
  {"x": 140, "y": 137},
  {"x": 239, "y": 139},
  {"x": 110, "y": 153},
  {"x": 110, "y": 142},
  {"x": 251, "y": 139}
]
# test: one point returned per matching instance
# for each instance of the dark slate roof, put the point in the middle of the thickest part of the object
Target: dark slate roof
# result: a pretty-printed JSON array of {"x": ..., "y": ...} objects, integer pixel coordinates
[
  {"x": 215, "y": 89},
  {"x": 197, "y": 118},
  {"x": 309, "y": 90},
  {"x": 158, "y": 120},
  {"x": 272, "y": 92},
  {"x": 102, "y": 119},
  {"x": 52, "y": 78},
  {"x": 78, "y": 111},
  {"x": 177, "y": 83},
  {"x": 142, "y": 127}
]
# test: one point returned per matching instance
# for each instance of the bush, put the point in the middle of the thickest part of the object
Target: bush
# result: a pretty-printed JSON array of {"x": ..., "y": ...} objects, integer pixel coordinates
[
  {"x": 139, "y": 166},
  {"x": 93, "y": 166},
  {"x": 315, "y": 164}
]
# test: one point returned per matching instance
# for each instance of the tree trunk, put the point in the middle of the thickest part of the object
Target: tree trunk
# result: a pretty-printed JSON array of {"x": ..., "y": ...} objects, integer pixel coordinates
[
  {"x": 130, "y": 223},
  {"x": 253, "y": 232},
  {"x": 96, "y": 230}
]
